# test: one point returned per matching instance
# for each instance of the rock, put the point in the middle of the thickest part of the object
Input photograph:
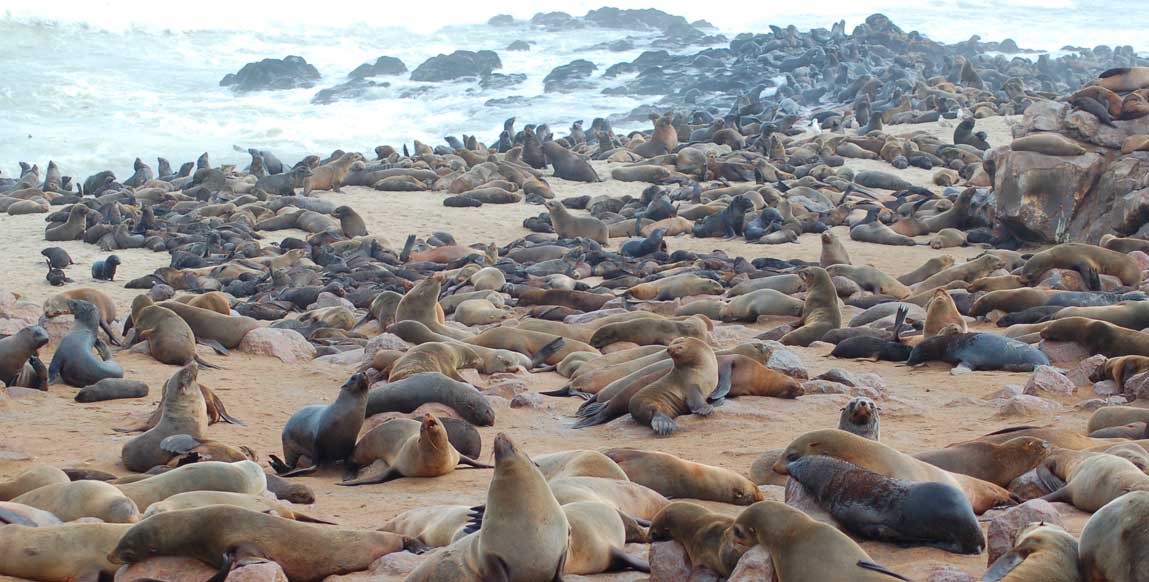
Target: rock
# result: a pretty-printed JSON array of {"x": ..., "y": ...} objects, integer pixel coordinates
[
  {"x": 1048, "y": 379},
  {"x": 1106, "y": 388},
  {"x": 1081, "y": 373},
  {"x": 397, "y": 564},
  {"x": 7, "y": 300},
  {"x": 646, "y": 19},
  {"x": 57, "y": 327},
  {"x": 258, "y": 572},
  {"x": 824, "y": 387},
  {"x": 1027, "y": 405},
  {"x": 1117, "y": 204},
  {"x": 785, "y": 360},
  {"x": 349, "y": 358},
  {"x": 381, "y": 66},
  {"x": 1007, "y": 391},
  {"x": 527, "y": 400},
  {"x": 502, "y": 20},
  {"x": 1141, "y": 258},
  {"x": 519, "y": 45},
  {"x": 501, "y": 81},
  {"x": 1037, "y": 194},
  {"x": 457, "y": 65},
  {"x": 668, "y": 562},
  {"x": 755, "y": 565},
  {"x": 327, "y": 299},
  {"x": 728, "y": 335},
  {"x": 1004, "y": 526},
  {"x": 1028, "y": 486},
  {"x": 384, "y": 341},
  {"x": 169, "y": 569},
  {"x": 507, "y": 389},
  {"x": 1062, "y": 280},
  {"x": 1063, "y": 351},
  {"x": 569, "y": 77},
  {"x": 949, "y": 573},
  {"x": 286, "y": 344},
  {"x": 291, "y": 72},
  {"x": 1095, "y": 403},
  {"x": 553, "y": 20},
  {"x": 1137, "y": 386}
]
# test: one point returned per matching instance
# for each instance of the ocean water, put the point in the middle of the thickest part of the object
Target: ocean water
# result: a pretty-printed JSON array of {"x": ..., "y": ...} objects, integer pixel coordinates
[{"x": 92, "y": 84}]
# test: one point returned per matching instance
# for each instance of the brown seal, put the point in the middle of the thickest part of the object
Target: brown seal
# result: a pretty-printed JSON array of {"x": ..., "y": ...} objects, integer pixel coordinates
[
  {"x": 1042, "y": 552},
  {"x": 752, "y": 305},
  {"x": 435, "y": 526},
  {"x": 567, "y": 225},
  {"x": 871, "y": 279},
  {"x": 705, "y": 535},
  {"x": 239, "y": 477},
  {"x": 1113, "y": 541},
  {"x": 569, "y": 165},
  {"x": 1099, "y": 479},
  {"x": 540, "y": 347},
  {"x": 1127, "y": 314},
  {"x": 19, "y": 353},
  {"x": 887, "y": 461},
  {"x": 59, "y": 305},
  {"x": 1048, "y": 143},
  {"x": 195, "y": 499},
  {"x": 579, "y": 463},
  {"x": 681, "y": 391},
  {"x": 740, "y": 375},
  {"x": 170, "y": 339},
  {"x": 350, "y": 221},
  {"x": 324, "y": 434},
  {"x": 820, "y": 313},
  {"x": 804, "y": 549},
  {"x": 997, "y": 463},
  {"x": 60, "y": 553},
  {"x": 401, "y": 448},
  {"x": 1098, "y": 337},
  {"x": 833, "y": 252},
  {"x": 940, "y": 312},
  {"x": 76, "y": 499},
  {"x": 184, "y": 412},
  {"x": 1110, "y": 416},
  {"x": 678, "y": 478},
  {"x": 73, "y": 228},
  {"x": 34, "y": 478},
  {"x": 211, "y": 301},
  {"x": 650, "y": 331},
  {"x": 598, "y": 536},
  {"x": 442, "y": 357},
  {"x": 629, "y": 498},
  {"x": 421, "y": 304},
  {"x": 968, "y": 271},
  {"x": 220, "y": 536},
  {"x": 674, "y": 287},
  {"x": 1090, "y": 261},
  {"x": 524, "y": 533},
  {"x": 211, "y": 326},
  {"x": 330, "y": 176},
  {"x": 1124, "y": 79}
]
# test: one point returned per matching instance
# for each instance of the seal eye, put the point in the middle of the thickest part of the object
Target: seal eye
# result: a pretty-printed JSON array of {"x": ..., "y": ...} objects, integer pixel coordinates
[{"x": 791, "y": 457}]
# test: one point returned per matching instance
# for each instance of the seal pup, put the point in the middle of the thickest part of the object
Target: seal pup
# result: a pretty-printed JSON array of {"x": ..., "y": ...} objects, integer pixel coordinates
[
  {"x": 324, "y": 434},
  {"x": 803, "y": 549},
  {"x": 73, "y": 362},
  {"x": 524, "y": 534},
  {"x": 105, "y": 269},
  {"x": 1042, "y": 552},
  {"x": 58, "y": 258}
]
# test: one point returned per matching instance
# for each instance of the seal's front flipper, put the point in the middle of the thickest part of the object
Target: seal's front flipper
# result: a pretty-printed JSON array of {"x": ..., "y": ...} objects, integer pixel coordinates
[{"x": 662, "y": 424}]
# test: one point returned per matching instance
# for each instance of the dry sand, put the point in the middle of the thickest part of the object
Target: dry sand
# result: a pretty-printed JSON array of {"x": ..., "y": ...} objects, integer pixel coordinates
[{"x": 927, "y": 408}]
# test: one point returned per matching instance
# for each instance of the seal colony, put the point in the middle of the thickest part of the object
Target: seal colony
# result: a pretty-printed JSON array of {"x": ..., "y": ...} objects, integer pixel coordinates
[{"x": 736, "y": 296}]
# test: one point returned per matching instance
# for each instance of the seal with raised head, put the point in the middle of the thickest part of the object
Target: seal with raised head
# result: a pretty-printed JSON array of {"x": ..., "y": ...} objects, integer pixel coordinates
[
  {"x": 184, "y": 412},
  {"x": 401, "y": 448},
  {"x": 860, "y": 416},
  {"x": 978, "y": 351},
  {"x": 73, "y": 228},
  {"x": 820, "y": 313},
  {"x": 73, "y": 362},
  {"x": 19, "y": 352},
  {"x": 222, "y": 535},
  {"x": 170, "y": 339},
  {"x": 803, "y": 549},
  {"x": 705, "y": 535},
  {"x": 568, "y": 165},
  {"x": 887, "y": 509},
  {"x": 683, "y": 390},
  {"x": 567, "y": 225},
  {"x": 324, "y": 434},
  {"x": 678, "y": 478}
]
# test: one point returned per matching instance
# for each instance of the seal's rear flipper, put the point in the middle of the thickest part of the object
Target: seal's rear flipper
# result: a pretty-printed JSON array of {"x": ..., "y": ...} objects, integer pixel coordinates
[
  {"x": 214, "y": 345},
  {"x": 620, "y": 560},
  {"x": 547, "y": 351},
  {"x": 881, "y": 570}
]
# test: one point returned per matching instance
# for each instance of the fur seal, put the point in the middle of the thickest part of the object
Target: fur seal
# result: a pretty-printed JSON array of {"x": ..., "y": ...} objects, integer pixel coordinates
[
  {"x": 524, "y": 533},
  {"x": 704, "y": 534},
  {"x": 421, "y": 304},
  {"x": 598, "y": 534},
  {"x": 60, "y": 553},
  {"x": 860, "y": 416},
  {"x": 239, "y": 477},
  {"x": 1050, "y": 144},
  {"x": 649, "y": 331},
  {"x": 752, "y": 305},
  {"x": 1111, "y": 416},
  {"x": 72, "y": 229},
  {"x": 76, "y": 499},
  {"x": 674, "y": 287},
  {"x": 112, "y": 389},
  {"x": 683, "y": 390},
  {"x": 1042, "y": 552},
  {"x": 1099, "y": 337},
  {"x": 20, "y": 351},
  {"x": 678, "y": 478},
  {"x": 996, "y": 463},
  {"x": 105, "y": 269},
  {"x": 405, "y": 448},
  {"x": 410, "y": 393},
  {"x": 940, "y": 312},
  {"x": 324, "y": 434},
  {"x": 887, "y": 509},
  {"x": 569, "y": 165},
  {"x": 209, "y": 325},
  {"x": 442, "y": 357},
  {"x": 34, "y": 478},
  {"x": 58, "y": 258},
  {"x": 59, "y": 304},
  {"x": 804, "y": 549},
  {"x": 170, "y": 339},
  {"x": 195, "y": 499},
  {"x": 73, "y": 362},
  {"x": 884, "y": 460},
  {"x": 221, "y": 535},
  {"x": 569, "y": 226},
  {"x": 978, "y": 351},
  {"x": 1088, "y": 260},
  {"x": 833, "y": 251},
  {"x": 820, "y": 313},
  {"x": 184, "y": 413},
  {"x": 1098, "y": 480},
  {"x": 1113, "y": 541}
]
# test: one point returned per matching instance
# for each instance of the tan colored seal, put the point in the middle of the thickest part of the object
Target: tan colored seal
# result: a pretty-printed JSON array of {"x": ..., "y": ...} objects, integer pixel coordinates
[
  {"x": 1114, "y": 541},
  {"x": 579, "y": 463},
  {"x": 706, "y": 536},
  {"x": 650, "y": 331},
  {"x": 442, "y": 357},
  {"x": 820, "y": 313},
  {"x": 61, "y": 553},
  {"x": 833, "y": 252},
  {"x": 421, "y": 304},
  {"x": 1098, "y": 480},
  {"x": 674, "y": 287},
  {"x": 195, "y": 499},
  {"x": 927, "y": 269},
  {"x": 681, "y": 391},
  {"x": 240, "y": 477},
  {"x": 1089, "y": 260},
  {"x": 34, "y": 478},
  {"x": 1050, "y": 144},
  {"x": 401, "y": 448},
  {"x": 1098, "y": 337},
  {"x": 76, "y": 499},
  {"x": 997, "y": 463},
  {"x": 1042, "y": 552},
  {"x": 678, "y": 478},
  {"x": 184, "y": 413},
  {"x": 940, "y": 312},
  {"x": 568, "y": 225}
]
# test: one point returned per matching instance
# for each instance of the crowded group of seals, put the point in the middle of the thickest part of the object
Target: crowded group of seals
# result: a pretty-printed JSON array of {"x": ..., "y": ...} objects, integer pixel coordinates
[{"x": 440, "y": 343}]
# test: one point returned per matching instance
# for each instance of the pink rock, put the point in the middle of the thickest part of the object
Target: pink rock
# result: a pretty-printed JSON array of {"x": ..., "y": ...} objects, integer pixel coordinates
[
  {"x": 1008, "y": 391},
  {"x": 1027, "y": 405},
  {"x": 785, "y": 360},
  {"x": 1028, "y": 486},
  {"x": 258, "y": 572},
  {"x": 824, "y": 387},
  {"x": 755, "y": 565},
  {"x": 327, "y": 299},
  {"x": 169, "y": 569},
  {"x": 1106, "y": 388},
  {"x": 527, "y": 400},
  {"x": 7, "y": 299},
  {"x": 1095, "y": 403},
  {"x": 286, "y": 344},
  {"x": 1046, "y": 379},
  {"x": 397, "y": 564},
  {"x": 507, "y": 389},
  {"x": 728, "y": 335},
  {"x": 1062, "y": 279},
  {"x": 1081, "y": 373},
  {"x": 57, "y": 327},
  {"x": 1004, "y": 526},
  {"x": 948, "y": 573},
  {"x": 668, "y": 562},
  {"x": 384, "y": 341},
  {"x": 1137, "y": 386},
  {"x": 1141, "y": 258},
  {"x": 352, "y": 358},
  {"x": 1063, "y": 351}
]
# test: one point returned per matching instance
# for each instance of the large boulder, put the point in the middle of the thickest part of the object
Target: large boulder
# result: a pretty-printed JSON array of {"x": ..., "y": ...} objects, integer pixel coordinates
[
  {"x": 381, "y": 66},
  {"x": 1118, "y": 204},
  {"x": 457, "y": 65},
  {"x": 1037, "y": 194},
  {"x": 645, "y": 19},
  {"x": 286, "y": 344},
  {"x": 569, "y": 77},
  {"x": 290, "y": 72}
]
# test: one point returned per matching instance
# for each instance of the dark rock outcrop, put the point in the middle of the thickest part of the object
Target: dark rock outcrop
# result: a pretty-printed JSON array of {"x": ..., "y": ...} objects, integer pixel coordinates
[
  {"x": 572, "y": 76},
  {"x": 381, "y": 66},
  {"x": 290, "y": 72},
  {"x": 457, "y": 65}
]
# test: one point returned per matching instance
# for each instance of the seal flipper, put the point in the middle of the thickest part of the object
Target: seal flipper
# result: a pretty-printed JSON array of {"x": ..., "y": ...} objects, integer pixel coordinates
[
  {"x": 662, "y": 424},
  {"x": 206, "y": 364},
  {"x": 620, "y": 560},
  {"x": 178, "y": 444},
  {"x": 1092, "y": 278},
  {"x": 11, "y": 517},
  {"x": 465, "y": 460},
  {"x": 1003, "y": 566},
  {"x": 1059, "y": 495},
  {"x": 697, "y": 404},
  {"x": 220, "y": 409},
  {"x": 213, "y": 344},
  {"x": 40, "y": 381},
  {"x": 547, "y": 351},
  {"x": 112, "y": 339},
  {"x": 725, "y": 379},
  {"x": 102, "y": 349},
  {"x": 390, "y": 474},
  {"x": 881, "y": 570}
]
